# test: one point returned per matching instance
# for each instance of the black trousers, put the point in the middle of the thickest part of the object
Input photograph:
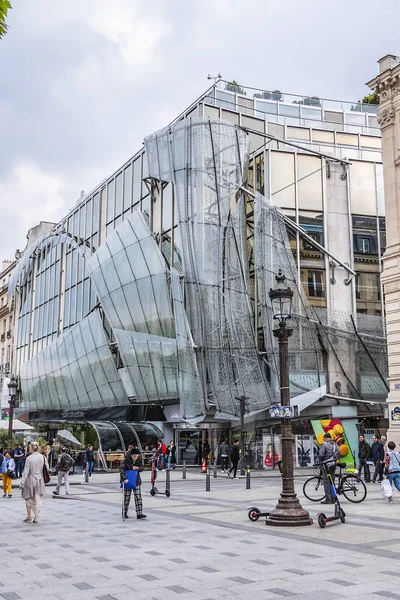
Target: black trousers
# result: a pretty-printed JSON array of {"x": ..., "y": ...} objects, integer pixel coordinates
[
  {"x": 367, "y": 474},
  {"x": 234, "y": 467},
  {"x": 327, "y": 483},
  {"x": 379, "y": 467},
  {"x": 224, "y": 463}
]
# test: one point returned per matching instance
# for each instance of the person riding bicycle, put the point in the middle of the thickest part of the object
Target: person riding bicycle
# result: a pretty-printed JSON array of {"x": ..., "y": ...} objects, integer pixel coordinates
[{"x": 328, "y": 454}]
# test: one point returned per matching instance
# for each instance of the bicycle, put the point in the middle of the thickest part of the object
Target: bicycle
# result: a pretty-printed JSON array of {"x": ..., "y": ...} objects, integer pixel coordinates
[{"x": 348, "y": 484}]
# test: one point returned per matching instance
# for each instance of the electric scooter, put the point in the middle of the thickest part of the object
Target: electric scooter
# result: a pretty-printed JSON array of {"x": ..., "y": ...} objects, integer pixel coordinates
[
  {"x": 339, "y": 512},
  {"x": 154, "y": 490}
]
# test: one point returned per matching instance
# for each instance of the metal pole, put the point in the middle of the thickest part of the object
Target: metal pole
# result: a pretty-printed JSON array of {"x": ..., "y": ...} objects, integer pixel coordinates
[
  {"x": 215, "y": 471},
  {"x": 87, "y": 472},
  {"x": 208, "y": 479},
  {"x": 242, "y": 400},
  {"x": 184, "y": 469},
  {"x": 288, "y": 511},
  {"x": 10, "y": 422},
  {"x": 248, "y": 477},
  {"x": 168, "y": 480},
  {"x": 273, "y": 447}
]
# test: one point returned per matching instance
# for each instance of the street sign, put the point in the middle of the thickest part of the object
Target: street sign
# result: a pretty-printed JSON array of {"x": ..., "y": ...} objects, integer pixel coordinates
[{"x": 281, "y": 412}]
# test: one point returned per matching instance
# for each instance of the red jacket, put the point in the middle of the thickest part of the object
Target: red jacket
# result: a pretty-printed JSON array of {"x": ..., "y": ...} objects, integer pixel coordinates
[{"x": 162, "y": 449}]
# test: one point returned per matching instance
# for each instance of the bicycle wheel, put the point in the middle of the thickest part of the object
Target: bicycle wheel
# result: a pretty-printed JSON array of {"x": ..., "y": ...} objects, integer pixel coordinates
[
  {"x": 353, "y": 488},
  {"x": 314, "y": 490}
]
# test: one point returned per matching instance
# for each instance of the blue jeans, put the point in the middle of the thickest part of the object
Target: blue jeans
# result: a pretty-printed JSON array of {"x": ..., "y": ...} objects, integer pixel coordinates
[
  {"x": 90, "y": 467},
  {"x": 161, "y": 461},
  {"x": 394, "y": 478}
]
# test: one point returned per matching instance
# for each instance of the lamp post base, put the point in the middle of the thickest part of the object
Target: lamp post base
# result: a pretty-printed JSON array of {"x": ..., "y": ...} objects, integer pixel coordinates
[{"x": 288, "y": 513}]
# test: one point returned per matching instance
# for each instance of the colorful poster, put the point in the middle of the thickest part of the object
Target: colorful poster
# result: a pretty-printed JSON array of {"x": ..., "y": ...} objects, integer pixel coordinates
[{"x": 336, "y": 430}]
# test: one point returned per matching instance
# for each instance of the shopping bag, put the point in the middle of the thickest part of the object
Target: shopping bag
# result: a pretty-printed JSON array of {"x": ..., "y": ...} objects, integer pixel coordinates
[
  {"x": 131, "y": 476},
  {"x": 386, "y": 488}
]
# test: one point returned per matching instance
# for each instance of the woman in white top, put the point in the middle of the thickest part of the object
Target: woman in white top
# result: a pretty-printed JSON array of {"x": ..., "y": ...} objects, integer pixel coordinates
[
  {"x": 7, "y": 476},
  {"x": 33, "y": 486}
]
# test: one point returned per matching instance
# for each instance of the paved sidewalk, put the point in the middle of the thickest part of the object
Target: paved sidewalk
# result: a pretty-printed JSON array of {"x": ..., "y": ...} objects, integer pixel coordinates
[{"x": 195, "y": 545}]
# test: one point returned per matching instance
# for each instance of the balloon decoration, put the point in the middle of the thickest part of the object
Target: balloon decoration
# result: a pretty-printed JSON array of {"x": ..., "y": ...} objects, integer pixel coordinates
[{"x": 336, "y": 430}]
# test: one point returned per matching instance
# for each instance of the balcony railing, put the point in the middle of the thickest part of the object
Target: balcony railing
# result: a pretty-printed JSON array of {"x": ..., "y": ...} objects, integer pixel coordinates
[
  {"x": 2, "y": 337},
  {"x": 8, "y": 333}
]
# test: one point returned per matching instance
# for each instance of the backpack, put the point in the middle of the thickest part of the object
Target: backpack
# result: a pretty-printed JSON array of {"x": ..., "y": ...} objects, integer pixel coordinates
[
  {"x": 3, "y": 464},
  {"x": 66, "y": 462}
]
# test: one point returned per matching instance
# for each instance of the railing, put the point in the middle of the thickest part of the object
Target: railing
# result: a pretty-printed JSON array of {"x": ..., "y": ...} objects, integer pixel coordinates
[
  {"x": 2, "y": 337},
  {"x": 8, "y": 333}
]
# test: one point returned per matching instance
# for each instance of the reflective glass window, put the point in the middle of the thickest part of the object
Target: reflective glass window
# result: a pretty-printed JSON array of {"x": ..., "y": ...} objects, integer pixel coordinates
[
  {"x": 167, "y": 207},
  {"x": 282, "y": 179},
  {"x": 137, "y": 180},
  {"x": 362, "y": 185},
  {"x": 368, "y": 293},
  {"x": 289, "y": 110},
  {"x": 96, "y": 198},
  {"x": 118, "y": 194},
  {"x": 314, "y": 286},
  {"x": 128, "y": 187},
  {"x": 88, "y": 231},
  {"x": 110, "y": 200},
  {"x": 309, "y": 182}
]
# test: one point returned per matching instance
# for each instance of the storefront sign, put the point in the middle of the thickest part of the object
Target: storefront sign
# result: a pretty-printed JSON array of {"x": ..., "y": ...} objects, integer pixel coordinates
[
  {"x": 281, "y": 412},
  {"x": 71, "y": 415},
  {"x": 396, "y": 414},
  {"x": 397, "y": 386}
]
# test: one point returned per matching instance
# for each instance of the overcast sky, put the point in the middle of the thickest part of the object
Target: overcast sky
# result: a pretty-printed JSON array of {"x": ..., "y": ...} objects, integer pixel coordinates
[{"x": 82, "y": 82}]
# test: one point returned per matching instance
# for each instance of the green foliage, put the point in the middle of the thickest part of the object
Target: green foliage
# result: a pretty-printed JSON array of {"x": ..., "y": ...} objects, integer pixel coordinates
[
  {"x": 233, "y": 86},
  {"x": 5, "y": 5},
  {"x": 371, "y": 99},
  {"x": 42, "y": 443},
  {"x": 17, "y": 439}
]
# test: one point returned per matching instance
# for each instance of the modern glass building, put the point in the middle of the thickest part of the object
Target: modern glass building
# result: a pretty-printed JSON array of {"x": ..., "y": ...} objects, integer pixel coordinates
[{"x": 150, "y": 298}]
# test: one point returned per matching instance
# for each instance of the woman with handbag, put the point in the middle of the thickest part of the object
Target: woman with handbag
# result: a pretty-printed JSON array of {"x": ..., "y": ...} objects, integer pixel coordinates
[
  {"x": 8, "y": 475},
  {"x": 132, "y": 462},
  {"x": 34, "y": 477}
]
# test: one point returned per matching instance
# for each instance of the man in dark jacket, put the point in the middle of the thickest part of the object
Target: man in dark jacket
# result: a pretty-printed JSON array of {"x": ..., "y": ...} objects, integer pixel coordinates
[
  {"x": 235, "y": 456},
  {"x": 364, "y": 452},
  {"x": 224, "y": 454},
  {"x": 132, "y": 462},
  {"x": 328, "y": 454},
  {"x": 378, "y": 456},
  {"x": 90, "y": 460}
]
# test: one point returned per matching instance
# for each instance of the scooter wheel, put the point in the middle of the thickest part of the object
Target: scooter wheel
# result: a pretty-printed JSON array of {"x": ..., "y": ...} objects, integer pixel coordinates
[
  {"x": 167, "y": 493},
  {"x": 152, "y": 492},
  {"x": 322, "y": 520},
  {"x": 254, "y": 514},
  {"x": 342, "y": 516}
]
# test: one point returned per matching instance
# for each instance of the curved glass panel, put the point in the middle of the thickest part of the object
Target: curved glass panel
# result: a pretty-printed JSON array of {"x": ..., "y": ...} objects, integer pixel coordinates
[
  {"x": 109, "y": 436},
  {"x": 147, "y": 433},
  {"x": 128, "y": 434}
]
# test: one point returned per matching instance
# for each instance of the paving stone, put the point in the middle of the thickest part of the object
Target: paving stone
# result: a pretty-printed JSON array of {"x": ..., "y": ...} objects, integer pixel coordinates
[
  {"x": 61, "y": 575},
  {"x": 259, "y": 561},
  {"x": 106, "y": 598},
  {"x": 148, "y": 577},
  {"x": 392, "y": 573},
  {"x": 386, "y": 594},
  {"x": 179, "y": 561},
  {"x": 284, "y": 593},
  {"x": 178, "y": 589},
  {"x": 81, "y": 551},
  {"x": 101, "y": 559},
  {"x": 229, "y": 554},
  {"x": 341, "y": 582},
  {"x": 346, "y": 563},
  {"x": 241, "y": 580},
  {"x": 83, "y": 586},
  {"x": 43, "y": 565},
  {"x": 208, "y": 570},
  {"x": 296, "y": 571},
  {"x": 122, "y": 567},
  {"x": 154, "y": 553},
  {"x": 10, "y": 596}
]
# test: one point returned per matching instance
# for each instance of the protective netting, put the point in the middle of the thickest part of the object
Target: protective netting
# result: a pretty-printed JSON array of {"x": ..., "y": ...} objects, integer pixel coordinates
[{"x": 207, "y": 160}]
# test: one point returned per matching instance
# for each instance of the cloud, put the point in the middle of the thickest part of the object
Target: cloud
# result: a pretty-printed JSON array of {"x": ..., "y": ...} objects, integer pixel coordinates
[{"x": 82, "y": 83}]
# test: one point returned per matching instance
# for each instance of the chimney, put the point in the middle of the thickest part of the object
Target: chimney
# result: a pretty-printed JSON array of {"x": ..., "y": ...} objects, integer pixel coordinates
[{"x": 5, "y": 264}]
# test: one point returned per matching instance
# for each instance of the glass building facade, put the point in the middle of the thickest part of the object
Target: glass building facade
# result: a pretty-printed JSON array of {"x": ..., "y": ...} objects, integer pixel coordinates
[{"x": 172, "y": 256}]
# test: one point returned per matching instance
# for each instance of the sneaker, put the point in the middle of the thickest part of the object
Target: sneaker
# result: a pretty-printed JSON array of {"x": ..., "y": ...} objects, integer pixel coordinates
[
  {"x": 126, "y": 516},
  {"x": 56, "y": 494},
  {"x": 141, "y": 516},
  {"x": 67, "y": 493},
  {"x": 228, "y": 473},
  {"x": 4, "y": 495},
  {"x": 9, "y": 495},
  {"x": 327, "y": 502},
  {"x": 390, "y": 500}
]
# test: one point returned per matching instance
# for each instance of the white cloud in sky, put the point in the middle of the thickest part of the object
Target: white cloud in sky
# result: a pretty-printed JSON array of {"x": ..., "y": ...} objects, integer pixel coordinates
[{"x": 82, "y": 82}]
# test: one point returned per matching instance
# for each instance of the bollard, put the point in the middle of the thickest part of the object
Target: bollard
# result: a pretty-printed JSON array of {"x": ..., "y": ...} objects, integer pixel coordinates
[
  {"x": 248, "y": 477},
  {"x": 168, "y": 480},
  {"x": 87, "y": 473},
  {"x": 208, "y": 480},
  {"x": 215, "y": 471},
  {"x": 184, "y": 470}
]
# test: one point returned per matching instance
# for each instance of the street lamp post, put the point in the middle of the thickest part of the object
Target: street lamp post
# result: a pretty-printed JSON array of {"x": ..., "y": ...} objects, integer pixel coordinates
[
  {"x": 288, "y": 511},
  {"x": 12, "y": 388}
]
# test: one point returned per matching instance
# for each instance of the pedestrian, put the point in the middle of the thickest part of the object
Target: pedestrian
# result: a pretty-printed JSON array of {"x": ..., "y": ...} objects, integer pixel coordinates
[
  {"x": 8, "y": 475},
  {"x": 206, "y": 449},
  {"x": 384, "y": 443},
  {"x": 328, "y": 454},
  {"x": 378, "y": 456},
  {"x": 64, "y": 464},
  {"x": 32, "y": 484},
  {"x": 161, "y": 452},
  {"x": 132, "y": 461},
  {"x": 235, "y": 455},
  {"x": 171, "y": 453},
  {"x": 18, "y": 455},
  {"x": 90, "y": 459},
  {"x": 393, "y": 467},
  {"x": 224, "y": 454},
  {"x": 364, "y": 451}
]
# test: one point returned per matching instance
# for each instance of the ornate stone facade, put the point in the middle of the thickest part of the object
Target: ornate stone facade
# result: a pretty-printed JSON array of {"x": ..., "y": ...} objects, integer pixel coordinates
[{"x": 387, "y": 85}]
